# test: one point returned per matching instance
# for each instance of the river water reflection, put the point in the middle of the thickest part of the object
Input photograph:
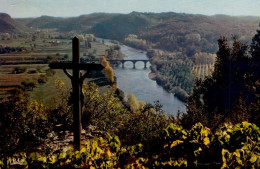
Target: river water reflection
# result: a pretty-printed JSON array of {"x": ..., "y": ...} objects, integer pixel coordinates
[{"x": 136, "y": 81}]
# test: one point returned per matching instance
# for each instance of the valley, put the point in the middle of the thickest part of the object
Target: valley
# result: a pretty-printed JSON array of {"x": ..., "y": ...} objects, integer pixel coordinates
[
  {"x": 176, "y": 90},
  {"x": 180, "y": 47}
]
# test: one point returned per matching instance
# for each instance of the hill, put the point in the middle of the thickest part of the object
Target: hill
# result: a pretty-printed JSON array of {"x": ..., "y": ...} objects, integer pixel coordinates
[
  {"x": 8, "y": 24},
  {"x": 81, "y": 24},
  {"x": 170, "y": 31},
  {"x": 183, "y": 39}
]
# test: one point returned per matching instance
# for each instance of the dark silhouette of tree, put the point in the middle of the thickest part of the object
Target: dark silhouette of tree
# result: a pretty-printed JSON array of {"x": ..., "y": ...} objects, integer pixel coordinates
[
  {"x": 255, "y": 79},
  {"x": 217, "y": 99},
  {"x": 255, "y": 52}
]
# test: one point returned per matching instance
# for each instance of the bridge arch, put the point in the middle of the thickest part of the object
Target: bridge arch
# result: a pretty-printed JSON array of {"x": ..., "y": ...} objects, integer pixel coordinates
[
  {"x": 144, "y": 61},
  {"x": 134, "y": 62},
  {"x": 123, "y": 62}
]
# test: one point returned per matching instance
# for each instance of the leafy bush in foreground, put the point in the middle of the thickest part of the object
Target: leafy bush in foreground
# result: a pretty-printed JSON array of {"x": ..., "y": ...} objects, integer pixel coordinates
[{"x": 233, "y": 146}]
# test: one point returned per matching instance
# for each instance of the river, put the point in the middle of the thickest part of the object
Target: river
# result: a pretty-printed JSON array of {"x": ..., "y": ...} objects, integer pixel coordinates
[{"x": 136, "y": 81}]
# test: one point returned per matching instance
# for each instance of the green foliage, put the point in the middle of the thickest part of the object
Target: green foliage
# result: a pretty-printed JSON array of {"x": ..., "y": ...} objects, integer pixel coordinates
[
  {"x": 144, "y": 125},
  {"x": 183, "y": 148},
  {"x": 204, "y": 58},
  {"x": 65, "y": 57},
  {"x": 173, "y": 72},
  {"x": 122, "y": 25},
  {"x": 133, "y": 103},
  {"x": 50, "y": 72},
  {"x": 178, "y": 75},
  {"x": 109, "y": 74},
  {"x": 96, "y": 153},
  {"x": 90, "y": 37},
  {"x": 42, "y": 79},
  {"x": 60, "y": 109},
  {"x": 255, "y": 81},
  {"x": 133, "y": 41},
  {"x": 22, "y": 120},
  {"x": 226, "y": 94},
  {"x": 141, "y": 124},
  {"x": 102, "y": 110},
  {"x": 174, "y": 77},
  {"x": 230, "y": 147},
  {"x": 24, "y": 123},
  {"x": 113, "y": 52},
  {"x": 234, "y": 137},
  {"x": 115, "y": 47},
  {"x": 255, "y": 52},
  {"x": 240, "y": 145},
  {"x": 49, "y": 59},
  {"x": 168, "y": 31},
  {"x": 108, "y": 70},
  {"x": 29, "y": 84},
  {"x": 32, "y": 71},
  {"x": 19, "y": 70},
  {"x": 180, "y": 94},
  {"x": 187, "y": 33},
  {"x": 4, "y": 50}
]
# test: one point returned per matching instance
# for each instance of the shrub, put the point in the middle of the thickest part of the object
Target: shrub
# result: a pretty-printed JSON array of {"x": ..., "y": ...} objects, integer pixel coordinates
[
  {"x": 42, "y": 79},
  {"x": 102, "y": 110},
  {"x": 19, "y": 70},
  {"x": 181, "y": 148},
  {"x": 29, "y": 84},
  {"x": 33, "y": 71},
  {"x": 23, "y": 123},
  {"x": 50, "y": 72}
]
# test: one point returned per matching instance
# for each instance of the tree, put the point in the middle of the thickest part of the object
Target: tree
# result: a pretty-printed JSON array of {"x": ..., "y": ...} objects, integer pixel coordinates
[
  {"x": 220, "y": 96},
  {"x": 255, "y": 52},
  {"x": 29, "y": 85},
  {"x": 102, "y": 110},
  {"x": 133, "y": 103},
  {"x": 255, "y": 79},
  {"x": 91, "y": 56},
  {"x": 19, "y": 70},
  {"x": 110, "y": 74},
  {"x": 108, "y": 70},
  {"x": 65, "y": 57},
  {"x": 104, "y": 61}
]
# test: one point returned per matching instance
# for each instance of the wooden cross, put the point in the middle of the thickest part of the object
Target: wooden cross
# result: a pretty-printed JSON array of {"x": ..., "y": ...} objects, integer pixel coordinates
[{"x": 77, "y": 81}]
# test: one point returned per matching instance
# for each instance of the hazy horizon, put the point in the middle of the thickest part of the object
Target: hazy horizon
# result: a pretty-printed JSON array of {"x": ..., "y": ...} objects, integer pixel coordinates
[{"x": 68, "y": 8}]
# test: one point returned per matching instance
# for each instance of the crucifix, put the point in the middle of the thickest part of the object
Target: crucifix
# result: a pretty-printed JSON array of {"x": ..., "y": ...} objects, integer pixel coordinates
[{"x": 77, "y": 81}]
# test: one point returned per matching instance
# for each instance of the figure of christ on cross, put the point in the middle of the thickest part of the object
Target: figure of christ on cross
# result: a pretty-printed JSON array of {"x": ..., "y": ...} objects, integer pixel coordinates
[{"x": 77, "y": 82}]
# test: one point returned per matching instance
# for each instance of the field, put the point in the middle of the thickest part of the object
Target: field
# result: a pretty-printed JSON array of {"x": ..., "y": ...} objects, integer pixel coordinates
[
  {"x": 202, "y": 71},
  {"x": 45, "y": 93},
  {"x": 10, "y": 80},
  {"x": 32, "y": 63}
]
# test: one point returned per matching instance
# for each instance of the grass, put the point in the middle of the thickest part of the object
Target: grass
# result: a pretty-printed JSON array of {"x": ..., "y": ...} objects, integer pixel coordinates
[{"x": 44, "y": 92}]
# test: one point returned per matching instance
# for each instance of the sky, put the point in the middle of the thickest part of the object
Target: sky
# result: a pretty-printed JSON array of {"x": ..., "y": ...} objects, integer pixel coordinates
[{"x": 65, "y": 8}]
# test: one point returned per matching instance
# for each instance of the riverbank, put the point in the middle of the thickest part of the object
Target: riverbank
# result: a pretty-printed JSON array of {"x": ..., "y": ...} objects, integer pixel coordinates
[
  {"x": 152, "y": 76},
  {"x": 162, "y": 80},
  {"x": 138, "y": 81},
  {"x": 176, "y": 91}
]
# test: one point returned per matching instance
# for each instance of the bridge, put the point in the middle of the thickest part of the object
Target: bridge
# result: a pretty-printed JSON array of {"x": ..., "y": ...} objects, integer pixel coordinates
[
  {"x": 82, "y": 60},
  {"x": 121, "y": 61}
]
